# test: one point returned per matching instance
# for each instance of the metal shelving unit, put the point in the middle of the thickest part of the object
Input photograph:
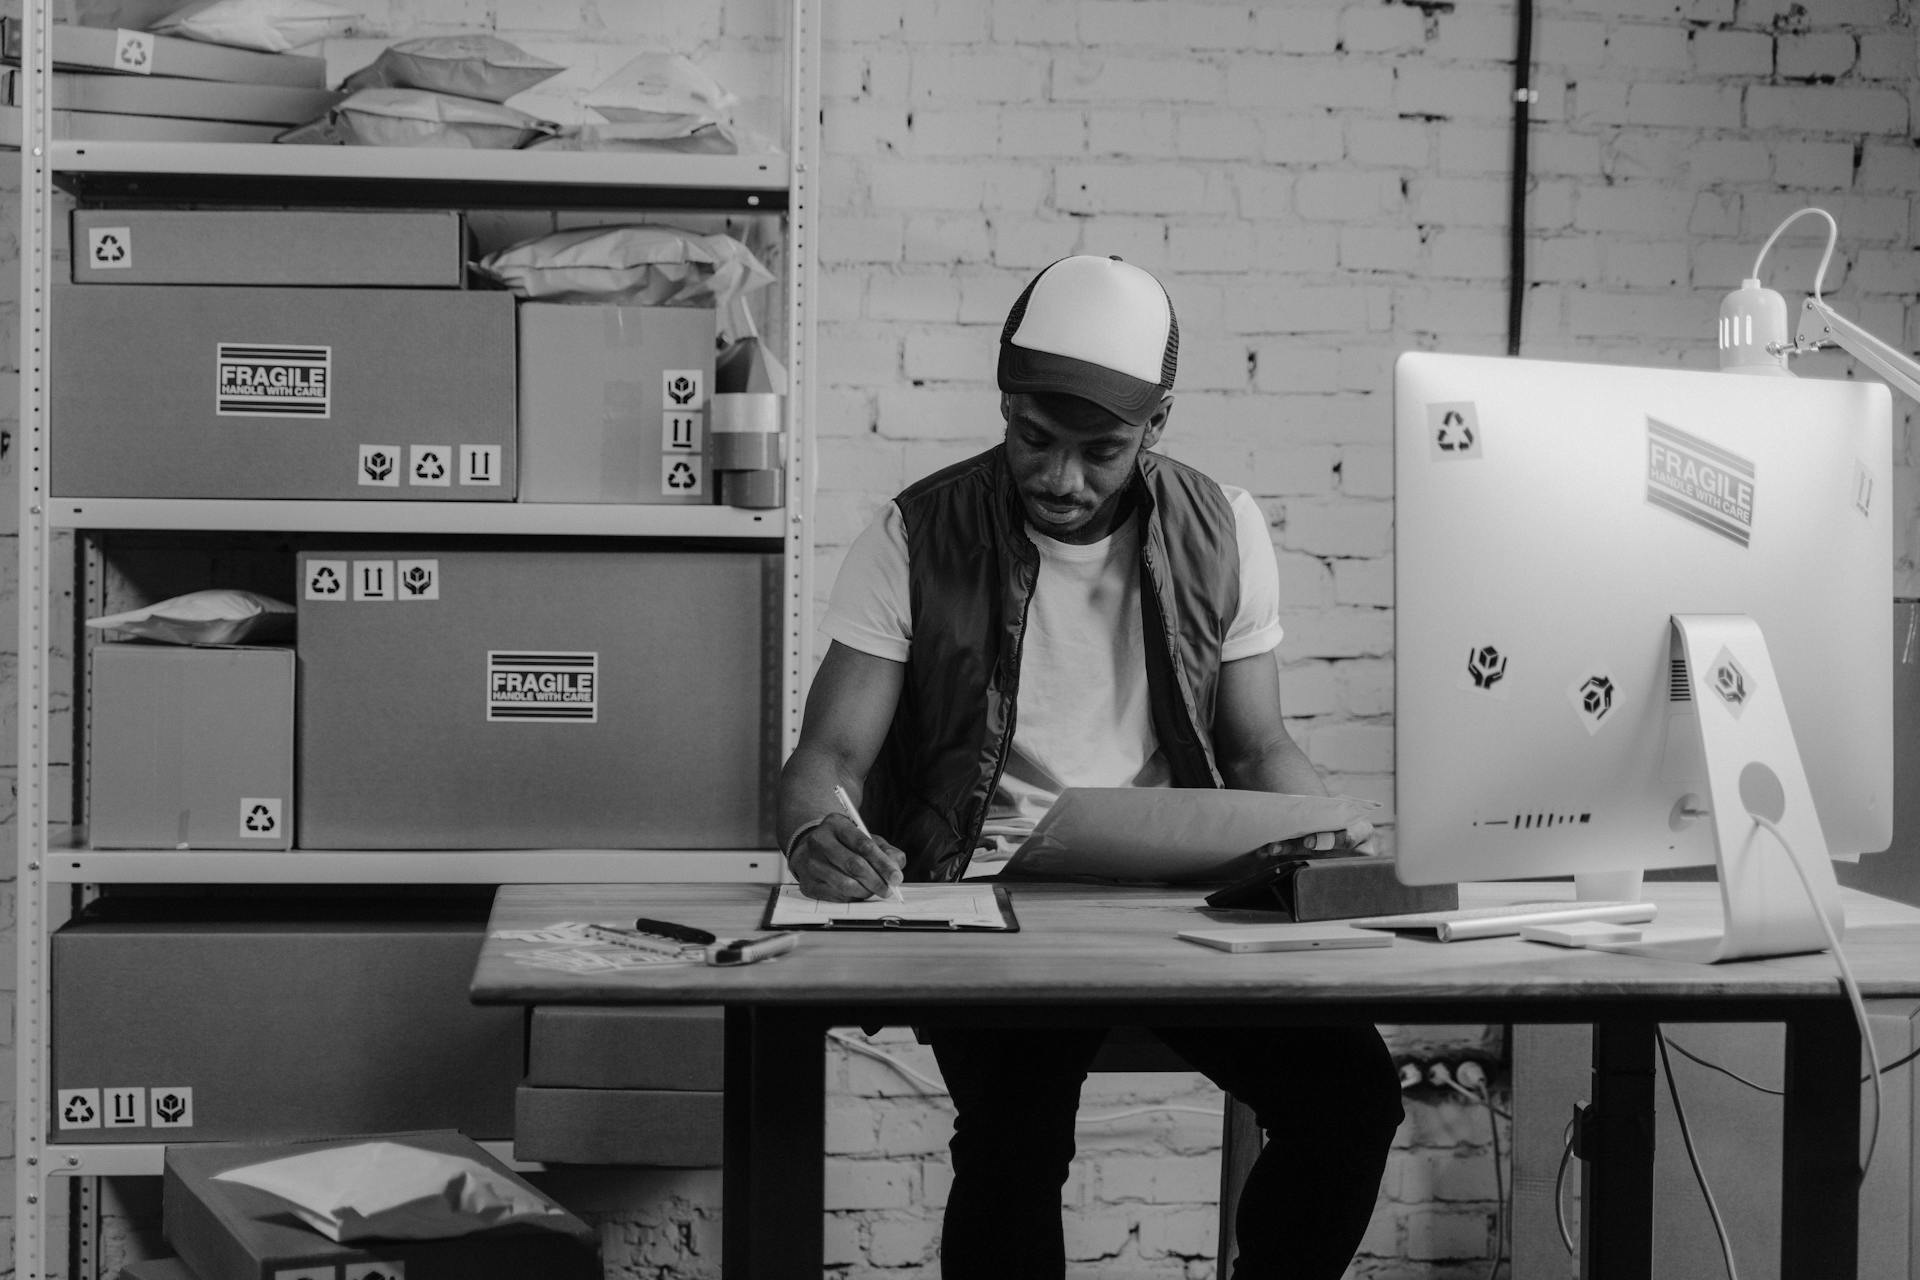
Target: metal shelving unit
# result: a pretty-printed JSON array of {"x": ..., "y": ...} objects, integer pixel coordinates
[{"x": 157, "y": 173}]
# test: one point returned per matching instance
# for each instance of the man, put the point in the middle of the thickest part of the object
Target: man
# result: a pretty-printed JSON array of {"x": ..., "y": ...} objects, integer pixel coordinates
[{"x": 1072, "y": 609}]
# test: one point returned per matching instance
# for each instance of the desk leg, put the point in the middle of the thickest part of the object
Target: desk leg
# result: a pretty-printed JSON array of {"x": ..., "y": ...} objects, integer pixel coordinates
[
  {"x": 774, "y": 1182},
  {"x": 1820, "y": 1131},
  {"x": 1616, "y": 1197}
]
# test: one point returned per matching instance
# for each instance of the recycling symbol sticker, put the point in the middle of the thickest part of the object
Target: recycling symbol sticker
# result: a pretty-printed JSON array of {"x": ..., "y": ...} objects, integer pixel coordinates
[
  {"x": 259, "y": 817},
  {"x": 78, "y": 1108},
  {"x": 1453, "y": 431},
  {"x": 429, "y": 464},
  {"x": 326, "y": 580},
  {"x": 110, "y": 248},
  {"x": 133, "y": 51},
  {"x": 375, "y": 1271},
  {"x": 682, "y": 477}
]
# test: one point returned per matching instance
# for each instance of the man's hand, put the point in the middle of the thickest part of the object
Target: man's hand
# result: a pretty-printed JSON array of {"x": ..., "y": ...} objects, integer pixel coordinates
[
  {"x": 1358, "y": 838},
  {"x": 834, "y": 862}
]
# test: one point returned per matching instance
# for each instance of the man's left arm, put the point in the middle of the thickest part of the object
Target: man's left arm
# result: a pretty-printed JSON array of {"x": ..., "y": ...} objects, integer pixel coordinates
[{"x": 1252, "y": 746}]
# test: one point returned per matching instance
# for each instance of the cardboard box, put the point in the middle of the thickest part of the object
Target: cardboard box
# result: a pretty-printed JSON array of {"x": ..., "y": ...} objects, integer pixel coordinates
[
  {"x": 185, "y": 1022},
  {"x": 102, "y": 126},
  {"x": 143, "y": 53},
  {"x": 190, "y": 748},
  {"x": 226, "y": 1231},
  {"x": 631, "y": 1047},
  {"x": 265, "y": 104},
  {"x": 672, "y": 1129},
  {"x": 394, "y": 249},
  {"x": 544, "y": 697},
  {"x": 613, "y": 403},
  {"x": 157, "y": 1269},
  {"x": 163, "y": 391}
]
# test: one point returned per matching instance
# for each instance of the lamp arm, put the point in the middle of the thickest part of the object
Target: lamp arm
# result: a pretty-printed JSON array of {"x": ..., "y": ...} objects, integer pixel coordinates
[{"x": 1820, "y": 323}]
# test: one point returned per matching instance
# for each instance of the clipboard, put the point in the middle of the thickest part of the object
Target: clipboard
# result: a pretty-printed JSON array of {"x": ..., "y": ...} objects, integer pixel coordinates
[{"x": 959, "y": 907}]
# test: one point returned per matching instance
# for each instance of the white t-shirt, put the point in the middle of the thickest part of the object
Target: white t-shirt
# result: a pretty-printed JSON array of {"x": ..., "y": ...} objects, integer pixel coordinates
[{"x": 1083, "y": 719}]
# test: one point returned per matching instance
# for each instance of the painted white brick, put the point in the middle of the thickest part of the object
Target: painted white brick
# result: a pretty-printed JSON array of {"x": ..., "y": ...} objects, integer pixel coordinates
[
  {"x": 931, "y": 413},
  {"x": 1159, "y": 1180},
  {"x": 848, "y": 239},
  {"x": 903, "y": 1242},
  {"x": 867, "y": 1184},
  {"x": 873, "y": 468},
  {"x": 1210, "y": 246},
  {"x": 1638, "y": 47},
  {"x": 1351, "y": 748},
  {"x": 1575, "y": 41},
  {"x": 1402, "y": 143},
  {"x": 863, "y": 128},
  {"x": 1141, "y": 188},
  {"x": 1436, "y": 1235},
  {"x": 1882, "y": 58},
  {"x": 1338, "y": 633},
  {"x": 1887, "y": 166},
  {"x": 1363, "y": 582},
  {"x": 1598, "y": 102},
  {"x": 1564, "y": 154},
  {"x": 934, "y": 133},
  {"x": 1133, "y": 134},
  {"x": 1382, "y": 29},
  {"x": 1096, "y": 1235},
  {"x": 1296, "y": 28},
  {"x": 965, "y": 353},
  {"x": 1306, "y": 309},
  {"x": 1262, "y": 193},
  {"x": 1286, "y": 365},
  {"x": 1645, "y": 265},
  {"x": 1143, "y": 242},
  {"x": 1366, "y": 471},
  {"x": 1202, "y": 134},
  {"x": 1638, "y": 316},
  {"x": 858, "y": 354},
  {"x": 1309, "y": 85},
  {"x": 1293, "y": 470},
  {"x": 1731, "y": 160},
  {"x": 851, "y": 1126},
  {"x": 1471, "y": 33},
  {"x": 1212, "y": 366},
  {"x": 859, "y": 21},
  {"x": 1845, "y": 110},
  {"x": 913, "y": 296},
  {"x": 944, "y": 21},
  {"x": 1693, "y": 106},
  {"x": 1564, "y": 259},
  {"x": 1181, "y": 1232},
  {"x": 1452, "y": 309},
  {"x": 929, "y": 184},
  {"x": 947, "y": 238},
  {"x": 1338, "y": 527},
  {"x": 1042, "y": 131},
  {"x": 1393, "y": 249},
  {"x": 949, "y": 77},
  {"x": 841, "y": 1241},
  {"x": 1366, "y": 366},
  {"x": 1808, "y": 54},
  {"x": 1459, "y": 202},
  {"x": 986, "y": 297},
  {"x": 1024, "y": 22},
  {"x": 1457, "y": 93},
  {"x": 1206, "y": 25},
  {"x": 1122, "y": 22},
  {"x": 1294, "y": 139},
  {"x": 1032, "y": 243},
  {"x": 1659, "y": 154},
  {"x": 1347, "y": 197},
  {"x": 1813, "y": 166},
  {"x": 1100, "y": 77}
]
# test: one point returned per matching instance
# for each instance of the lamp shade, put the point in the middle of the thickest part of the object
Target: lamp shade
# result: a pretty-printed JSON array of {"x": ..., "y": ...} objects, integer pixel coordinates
[{"x": 1753, "y": 331}]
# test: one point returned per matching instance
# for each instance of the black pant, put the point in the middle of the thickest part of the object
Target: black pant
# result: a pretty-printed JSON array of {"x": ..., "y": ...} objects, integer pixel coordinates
[{"x": 1328, "y": 1099}]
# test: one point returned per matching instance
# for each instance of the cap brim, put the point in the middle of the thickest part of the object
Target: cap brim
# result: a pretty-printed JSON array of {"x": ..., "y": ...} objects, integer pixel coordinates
[{"x": 1024, "y": 370}]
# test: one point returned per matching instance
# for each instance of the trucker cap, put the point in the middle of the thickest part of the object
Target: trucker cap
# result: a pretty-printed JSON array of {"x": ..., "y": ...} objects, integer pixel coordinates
[{"x": 1097, "y": 328}]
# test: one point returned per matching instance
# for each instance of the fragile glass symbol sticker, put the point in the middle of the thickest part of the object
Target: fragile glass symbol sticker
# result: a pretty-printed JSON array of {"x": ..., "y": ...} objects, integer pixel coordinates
[
  {"x": 543, "y": 687},
  {"x": 260, "y": 818},
  {"x": 171, "y": 1107},
  {"x": 380, "y": 465},
  {"x": 1484, "y": 670},
  {"x": 684, "y": 389},
  {"x": 417, "y": 579},
  {"x": 1453, "y": 431},
  {"x": 1594, "y": 697},
  {"x": 1733, "y": 682}
]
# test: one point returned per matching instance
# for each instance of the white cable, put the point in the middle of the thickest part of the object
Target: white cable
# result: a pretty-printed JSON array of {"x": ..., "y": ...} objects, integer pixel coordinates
[
  {"x": 1846, "y": 981},
  {"x": 1699, "y": 1175},
  {"x": 1833, "y": 235},
  {"x": 1499, "y": 1183},
  {"x": 1146, "y": 1111}
]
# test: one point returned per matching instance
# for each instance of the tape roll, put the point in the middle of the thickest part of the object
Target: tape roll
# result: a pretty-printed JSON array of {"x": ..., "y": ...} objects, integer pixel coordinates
[
  {"x": 745, "y": 451},
  {"x": 737, "y": 411},
  {"x": 759, "y": 489}
]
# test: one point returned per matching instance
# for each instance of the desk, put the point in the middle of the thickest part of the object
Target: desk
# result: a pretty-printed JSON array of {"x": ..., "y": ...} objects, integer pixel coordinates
[{"x": 1109, "y": 956}]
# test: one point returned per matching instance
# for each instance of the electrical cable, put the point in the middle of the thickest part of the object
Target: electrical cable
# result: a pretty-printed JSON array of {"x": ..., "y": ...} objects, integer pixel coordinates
[
  {"x": 1559, "y": 1187},
  {"x": 1499, "y": 1183},
  {"x": 1833, "y": 235},
  {"x": 1846, "y": 981},
  {"x": 1699, "y": 1176},
  {"x": 1683, "y": 1051},
  {"x": 1523, "y": 97}
]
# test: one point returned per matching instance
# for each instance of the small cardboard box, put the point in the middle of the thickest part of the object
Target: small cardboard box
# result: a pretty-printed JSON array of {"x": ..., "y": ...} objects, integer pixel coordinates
[
  {"x": 186, "y": 391},
  {"x": 157, "y": 1269},
  {"x": 662, "y": 1128},
  {"x": 143, "y": 53},
  {"x": 626, "y": 1047},
  {"x": 392, "y": 249},
  {"x": 226, "y": 1231},
  {"x": 191, "y": 748},
  {"x": 194, "y": 1022},
  {"x": 537, "y": 697},
  {"x": 613, "y": 403}
]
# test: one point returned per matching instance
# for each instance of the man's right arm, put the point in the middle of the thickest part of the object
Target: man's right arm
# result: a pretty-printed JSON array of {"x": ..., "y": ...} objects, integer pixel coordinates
[{"x": 849, "y": 709}]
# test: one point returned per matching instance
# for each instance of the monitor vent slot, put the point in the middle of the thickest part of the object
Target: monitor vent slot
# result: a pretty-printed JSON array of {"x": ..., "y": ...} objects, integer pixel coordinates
[
  {"x": 1538, "y": 821},
  {"x": 1679, "y": 688}
]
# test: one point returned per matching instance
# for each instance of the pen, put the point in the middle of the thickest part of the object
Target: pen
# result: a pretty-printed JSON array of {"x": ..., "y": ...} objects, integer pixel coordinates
[{"x": 893, "y": 893}]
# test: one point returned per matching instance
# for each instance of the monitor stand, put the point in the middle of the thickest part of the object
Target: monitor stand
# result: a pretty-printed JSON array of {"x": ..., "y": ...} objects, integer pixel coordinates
[{"x": 1753, "y": 767}]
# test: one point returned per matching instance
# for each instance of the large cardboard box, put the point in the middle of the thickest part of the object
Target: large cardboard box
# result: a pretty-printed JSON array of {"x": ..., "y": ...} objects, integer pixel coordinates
[
  {"x": 163, "y": 391},
  {"x": 197, "y": 1021},
  {"x": 157, "y": 1269},
  {"x": 191, "y": 748},
  {"x": 225, "y": 1231},
  {"x": 538, "y": 697},
  {"x": 393, "y": 249},
  {"x": 662, "y": 1128},
  {"x": 92, "y": 93},
  {"x": 626, "y": 1047},
  {"x": 613, "y": 403}
]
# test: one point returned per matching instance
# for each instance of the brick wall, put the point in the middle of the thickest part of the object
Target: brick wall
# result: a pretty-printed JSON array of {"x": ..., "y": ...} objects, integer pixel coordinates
[{"x": 1321, "y": 184}]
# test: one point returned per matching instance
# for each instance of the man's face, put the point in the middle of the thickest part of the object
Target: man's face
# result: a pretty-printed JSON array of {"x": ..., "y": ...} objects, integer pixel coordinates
[{"x": 1072, "y": 460}]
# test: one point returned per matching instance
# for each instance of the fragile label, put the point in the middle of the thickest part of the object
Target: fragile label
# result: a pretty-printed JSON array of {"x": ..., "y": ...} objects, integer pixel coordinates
[
  {"x": 553, "y": 687},
  {"x": 683, "y": 388},
  {"x": 269, "y": 380},
  {"x": 373, "y": 580},
  {"x": 126, "y": 1108},
  {"x": 480, "y": 464},
  {"x": 171, "y": 1106},
  {"x": 380, "y": 465},
  {"x": 680, "y": 432},
  {"x": 375, "y": 1271},
  {"x": 1699, "y": 481},
  {"x": 418, "y": 579}
]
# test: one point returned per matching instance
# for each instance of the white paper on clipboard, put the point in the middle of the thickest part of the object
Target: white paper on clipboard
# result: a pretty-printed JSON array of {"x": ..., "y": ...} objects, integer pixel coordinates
[{"x": 1170, "y": 834}]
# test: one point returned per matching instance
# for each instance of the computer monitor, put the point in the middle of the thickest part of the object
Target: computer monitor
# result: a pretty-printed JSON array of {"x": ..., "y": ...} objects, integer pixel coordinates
[{"x": 1551, "y": 521}]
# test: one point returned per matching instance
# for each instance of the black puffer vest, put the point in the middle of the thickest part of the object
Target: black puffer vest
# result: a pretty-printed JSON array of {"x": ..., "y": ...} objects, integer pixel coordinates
[{"x": 971, "y": 572}]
